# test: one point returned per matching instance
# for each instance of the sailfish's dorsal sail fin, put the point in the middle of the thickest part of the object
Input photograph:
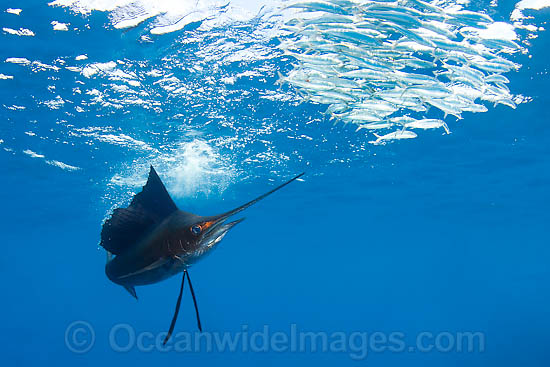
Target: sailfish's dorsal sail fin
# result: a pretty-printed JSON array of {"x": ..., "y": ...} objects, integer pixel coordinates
[
  {"x": 154, "y": 198},
  {"x": 128, "y": 225}
]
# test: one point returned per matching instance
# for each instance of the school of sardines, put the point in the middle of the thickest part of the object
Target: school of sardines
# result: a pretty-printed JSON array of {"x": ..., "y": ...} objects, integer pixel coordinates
[{"x": 384, "y": 64}]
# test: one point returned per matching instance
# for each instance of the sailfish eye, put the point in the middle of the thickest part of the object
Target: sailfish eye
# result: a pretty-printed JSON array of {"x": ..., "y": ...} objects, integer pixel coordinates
[{"x": 196, "y": 229}]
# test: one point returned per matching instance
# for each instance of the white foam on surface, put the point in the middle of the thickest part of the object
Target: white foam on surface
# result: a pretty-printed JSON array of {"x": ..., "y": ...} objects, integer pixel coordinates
[
  {"x": 58, "y": 26},
  {"x": 517, "y": 14},
  {"x": 15, "y": 108},
  {"x": 40, "y": 66},
  {"x": 51, "y": 162},
  {"x": 123, "y": 140},
  {"x": 18, "y": 60},
  {"x": 54, "y": 104},
  {"x": 13, "y": 11},
  {"x": 32, "y": 154},
  {"x": 499, "y": 30},
  {"x": 170, "y": 15},
  {"x": 19, "y": 32},
  {"x": 95, "y": 68},
  {"x": 533, "y": 4},
  {"x": 86, "y": 6},
  {"x": 63, "y": 166},
  {"x": 107, "y": 135}
]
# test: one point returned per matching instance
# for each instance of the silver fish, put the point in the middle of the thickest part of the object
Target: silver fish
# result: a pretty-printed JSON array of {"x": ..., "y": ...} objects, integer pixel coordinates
[{"x": 396, "y": 135}]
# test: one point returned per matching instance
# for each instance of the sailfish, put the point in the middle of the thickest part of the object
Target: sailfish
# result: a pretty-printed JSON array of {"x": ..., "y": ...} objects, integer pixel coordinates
[{"x": 152, "y": 240}]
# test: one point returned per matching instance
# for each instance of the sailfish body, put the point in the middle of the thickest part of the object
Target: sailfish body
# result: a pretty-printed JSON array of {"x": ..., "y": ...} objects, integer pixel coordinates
[
  {"x": 153, "y": 240},
  {"x": 161, "y": 253}
]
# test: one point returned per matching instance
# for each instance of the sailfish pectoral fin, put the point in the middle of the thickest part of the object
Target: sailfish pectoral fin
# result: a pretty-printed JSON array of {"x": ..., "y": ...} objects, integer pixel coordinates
[
  {"x": 194, "y": 301},
  {"x": 175, "y": 317},
  {"x": 178, "y": 304},
  {"x": 156, "y": 264},
  {"x": 131, "y": 290}
]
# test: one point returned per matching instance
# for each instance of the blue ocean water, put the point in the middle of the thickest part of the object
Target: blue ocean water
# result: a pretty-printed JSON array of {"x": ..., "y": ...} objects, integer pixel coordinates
[{"x": 435, "y": 236}]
